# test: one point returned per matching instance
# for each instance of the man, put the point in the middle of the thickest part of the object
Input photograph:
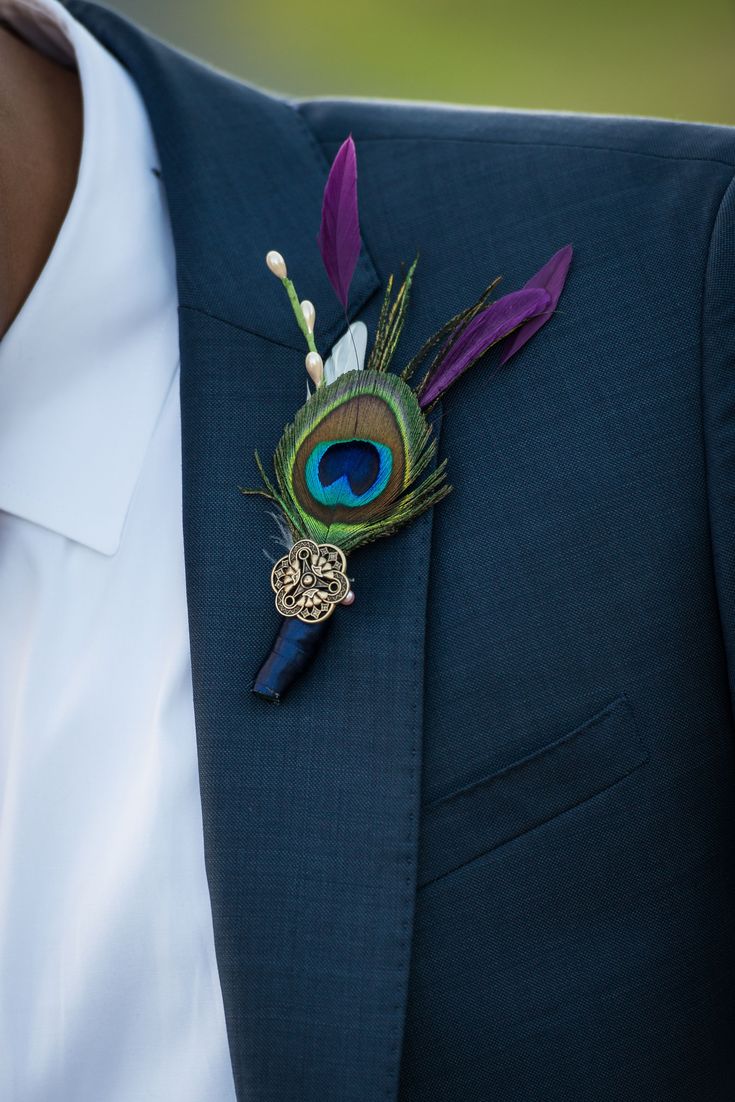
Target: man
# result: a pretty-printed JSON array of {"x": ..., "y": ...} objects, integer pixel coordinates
[{"x": 485, "y": 848}]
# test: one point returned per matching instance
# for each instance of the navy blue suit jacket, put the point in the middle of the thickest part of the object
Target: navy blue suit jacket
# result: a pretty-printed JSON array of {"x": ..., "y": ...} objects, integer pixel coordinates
[{"x": 484, "y": 851}]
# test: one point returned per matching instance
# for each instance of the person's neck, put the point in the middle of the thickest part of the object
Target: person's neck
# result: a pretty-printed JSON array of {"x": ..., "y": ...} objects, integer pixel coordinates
[{"x": 40, "y": 146}]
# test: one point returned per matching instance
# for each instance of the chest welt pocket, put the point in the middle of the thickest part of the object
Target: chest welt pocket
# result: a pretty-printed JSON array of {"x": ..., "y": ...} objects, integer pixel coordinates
[{"x": 561, "y": 775}]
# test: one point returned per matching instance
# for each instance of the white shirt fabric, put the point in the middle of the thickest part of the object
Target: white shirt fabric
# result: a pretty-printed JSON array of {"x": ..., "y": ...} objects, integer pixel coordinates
[{"x": 109, "y": 990}]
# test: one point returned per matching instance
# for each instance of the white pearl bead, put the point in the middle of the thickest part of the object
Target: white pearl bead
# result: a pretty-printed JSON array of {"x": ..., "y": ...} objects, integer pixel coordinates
[
  {"x": 277, "y": 264},
  {"x": 348, "y": 599},
  {"x": 307, "y": 309},
  {"x": 315, "y": 367}
]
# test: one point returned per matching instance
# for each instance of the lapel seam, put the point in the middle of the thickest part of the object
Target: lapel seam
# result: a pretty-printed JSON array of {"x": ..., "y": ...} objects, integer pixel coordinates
[
  {"x": 291, "y": 346},
  {"x": 410, "y": 860}
]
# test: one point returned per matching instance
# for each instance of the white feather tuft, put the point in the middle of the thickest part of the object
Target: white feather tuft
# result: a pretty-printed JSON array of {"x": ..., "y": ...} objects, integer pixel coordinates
[
  {"x": 284, "y": 538},
  {"x": 342, "y": 358}
]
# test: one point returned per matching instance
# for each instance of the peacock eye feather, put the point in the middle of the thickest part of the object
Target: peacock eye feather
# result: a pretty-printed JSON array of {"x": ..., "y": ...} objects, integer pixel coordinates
[
  {"x": 350, "y": 473},
  {"x": 348, "y": 468}
]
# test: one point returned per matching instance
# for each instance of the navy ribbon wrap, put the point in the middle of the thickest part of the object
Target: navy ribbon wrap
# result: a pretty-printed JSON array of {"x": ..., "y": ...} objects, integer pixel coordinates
[{"x": 293, "y": 650}]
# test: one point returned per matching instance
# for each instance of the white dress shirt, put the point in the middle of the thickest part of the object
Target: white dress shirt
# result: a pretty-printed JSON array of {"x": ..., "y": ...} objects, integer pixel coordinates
[{"x": 109, "y": 990}]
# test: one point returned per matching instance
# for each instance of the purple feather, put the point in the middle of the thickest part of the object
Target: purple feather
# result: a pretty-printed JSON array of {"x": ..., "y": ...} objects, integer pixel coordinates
[
  {"x": 489, "y": 326},
  {"x": 551, "y": 277},
  {"x": 339, "y": 233}
]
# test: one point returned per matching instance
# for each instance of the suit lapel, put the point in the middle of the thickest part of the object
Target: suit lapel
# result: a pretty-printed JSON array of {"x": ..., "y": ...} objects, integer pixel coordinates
[{"x": 310, "y": 809}]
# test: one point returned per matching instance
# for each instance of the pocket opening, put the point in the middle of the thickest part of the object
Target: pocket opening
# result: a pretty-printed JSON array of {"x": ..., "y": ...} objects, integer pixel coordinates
[{"x": 479, "y": 817}]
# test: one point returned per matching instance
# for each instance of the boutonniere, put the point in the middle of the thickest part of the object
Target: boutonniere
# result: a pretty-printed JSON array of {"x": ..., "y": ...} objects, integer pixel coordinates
[{"x": 357, "y": 461}]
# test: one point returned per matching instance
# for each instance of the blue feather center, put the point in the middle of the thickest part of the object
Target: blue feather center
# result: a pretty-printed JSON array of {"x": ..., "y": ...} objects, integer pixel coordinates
[{"x": 350, "y": 473}]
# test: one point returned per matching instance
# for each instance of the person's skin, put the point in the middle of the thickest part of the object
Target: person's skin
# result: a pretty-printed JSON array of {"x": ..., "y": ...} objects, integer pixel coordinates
[{"x": 40, "y": 147}]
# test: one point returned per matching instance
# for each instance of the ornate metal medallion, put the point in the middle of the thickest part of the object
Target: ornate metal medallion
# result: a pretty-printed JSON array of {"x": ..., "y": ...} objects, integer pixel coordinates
[{"x": 310, "y": 581}]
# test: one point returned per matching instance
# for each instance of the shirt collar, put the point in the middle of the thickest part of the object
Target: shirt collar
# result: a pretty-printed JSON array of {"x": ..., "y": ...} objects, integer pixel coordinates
[{"x": 87, "y": 363}]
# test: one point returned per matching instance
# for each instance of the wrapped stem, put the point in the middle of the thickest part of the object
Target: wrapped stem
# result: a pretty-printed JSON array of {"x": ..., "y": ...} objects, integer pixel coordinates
[{"x": 294, "y": 648}]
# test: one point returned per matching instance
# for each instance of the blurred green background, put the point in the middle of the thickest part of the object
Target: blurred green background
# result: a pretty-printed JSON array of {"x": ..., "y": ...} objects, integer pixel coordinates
[{"x": 671, "y": 58}]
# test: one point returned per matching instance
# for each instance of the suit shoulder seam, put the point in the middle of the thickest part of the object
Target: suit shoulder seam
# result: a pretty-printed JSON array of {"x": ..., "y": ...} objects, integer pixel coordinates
[{"x": 470, "y": 140}]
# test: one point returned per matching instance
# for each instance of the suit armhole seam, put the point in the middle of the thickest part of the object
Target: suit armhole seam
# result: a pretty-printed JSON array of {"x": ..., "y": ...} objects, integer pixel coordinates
[{"x": 706, "y": 279}]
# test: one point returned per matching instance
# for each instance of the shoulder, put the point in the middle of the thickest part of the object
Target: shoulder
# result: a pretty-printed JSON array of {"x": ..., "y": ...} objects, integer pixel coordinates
[{"x": 376, "y": 121}]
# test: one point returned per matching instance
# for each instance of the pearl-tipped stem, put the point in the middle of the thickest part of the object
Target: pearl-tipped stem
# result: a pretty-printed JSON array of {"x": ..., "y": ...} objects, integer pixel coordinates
[
  {"x": 349, "y": 598},
  {"x": 277, "y": 265}
]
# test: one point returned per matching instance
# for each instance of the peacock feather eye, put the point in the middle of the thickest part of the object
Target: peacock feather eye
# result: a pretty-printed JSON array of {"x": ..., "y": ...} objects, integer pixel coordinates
[
  {"x": 350, "y": 473},
  {"x": 348, "y": 463}
]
